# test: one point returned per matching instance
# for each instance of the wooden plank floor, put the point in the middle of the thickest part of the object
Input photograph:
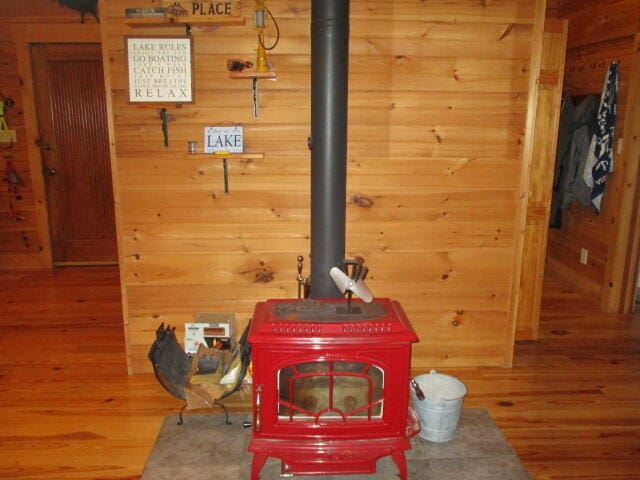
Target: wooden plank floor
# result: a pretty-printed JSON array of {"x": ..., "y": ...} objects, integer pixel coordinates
[{"x": 570, "y": 406}]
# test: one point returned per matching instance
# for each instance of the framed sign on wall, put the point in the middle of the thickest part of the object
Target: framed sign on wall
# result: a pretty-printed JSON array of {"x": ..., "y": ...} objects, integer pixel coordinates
[
  {"x": 160, "y": 69},
  {"x": 220, "y": 139}
]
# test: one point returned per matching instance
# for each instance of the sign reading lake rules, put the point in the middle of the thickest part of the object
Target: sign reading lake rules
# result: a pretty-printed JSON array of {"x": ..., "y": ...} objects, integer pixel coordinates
[
  {"x": 160, "y": 69},
  {"x": 223, "y": 139}
]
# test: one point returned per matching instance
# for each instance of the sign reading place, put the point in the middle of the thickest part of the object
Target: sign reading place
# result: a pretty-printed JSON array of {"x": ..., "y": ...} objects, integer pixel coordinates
[
  {"x": 160, "y": 69},
  {"x": 211, "y": 10}
]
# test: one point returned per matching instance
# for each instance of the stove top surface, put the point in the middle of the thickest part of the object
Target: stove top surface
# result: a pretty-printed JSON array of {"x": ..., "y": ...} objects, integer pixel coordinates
[
  {"x": 329, "y": 320},
  {"x": 328, "y": 311}
]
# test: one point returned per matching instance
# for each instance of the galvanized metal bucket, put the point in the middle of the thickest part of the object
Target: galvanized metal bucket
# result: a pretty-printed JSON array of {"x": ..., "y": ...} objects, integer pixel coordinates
[{"x": 439, "y": 412}]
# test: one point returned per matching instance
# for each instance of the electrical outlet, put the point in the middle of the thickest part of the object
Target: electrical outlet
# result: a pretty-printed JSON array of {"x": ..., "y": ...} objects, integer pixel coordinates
[{"x": 584, "y": 256}]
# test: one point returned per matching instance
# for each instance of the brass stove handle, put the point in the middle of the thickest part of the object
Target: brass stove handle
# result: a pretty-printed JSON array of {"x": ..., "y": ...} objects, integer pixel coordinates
[
  {"x": 300, "y": 278},
  {"x": 258, "y": 421},
  {"x": 303, "y": 282}
]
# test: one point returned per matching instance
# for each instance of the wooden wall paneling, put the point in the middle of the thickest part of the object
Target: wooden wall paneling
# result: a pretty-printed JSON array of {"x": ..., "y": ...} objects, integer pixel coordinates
[
  {"x": 19, "y": 240},
  {"x": 542, "y": 168},
  {"x": 24, "y": 35},
  {"x": 600, "y": 20},
  {"x": 437, "y": 106},
  {"x": 443, "y": 339},
  {"x": 553, "y": 8},
  {"x": 528, "y": 152},
  {"x": 587, "y": 67},
  {"x": 622, "y": 273},
  {"x": 498, "y": 11}
]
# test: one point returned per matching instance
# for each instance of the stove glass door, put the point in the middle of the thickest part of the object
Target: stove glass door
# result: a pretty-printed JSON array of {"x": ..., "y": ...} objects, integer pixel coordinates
[{"x": 330, "y": 391}]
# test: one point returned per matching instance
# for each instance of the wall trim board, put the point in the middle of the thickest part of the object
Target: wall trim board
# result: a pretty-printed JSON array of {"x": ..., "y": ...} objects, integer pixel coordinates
[
  {"x": 106, "y": 65},
  {"x": 541, "y": 179},
  {"x": 527, "y": 160},
  {"x": 622, "y": 270},
  {"x": 24, "y": 35},
  {"x": 55, "y": 33}
]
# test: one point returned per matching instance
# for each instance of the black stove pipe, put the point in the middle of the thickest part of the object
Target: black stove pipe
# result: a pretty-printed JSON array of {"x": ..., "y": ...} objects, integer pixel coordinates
[{"x": 329, "y": 73}]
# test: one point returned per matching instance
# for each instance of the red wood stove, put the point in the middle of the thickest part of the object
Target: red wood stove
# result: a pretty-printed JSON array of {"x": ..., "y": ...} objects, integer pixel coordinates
[{"x": 330, "y": 385}]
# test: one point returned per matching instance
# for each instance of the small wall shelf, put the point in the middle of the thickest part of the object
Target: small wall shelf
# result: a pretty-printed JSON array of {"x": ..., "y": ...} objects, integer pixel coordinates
[
  {"x": 270, "y": 75},
  {"x": 177, "y": 22},
  {"x": 241, "y": 156}
]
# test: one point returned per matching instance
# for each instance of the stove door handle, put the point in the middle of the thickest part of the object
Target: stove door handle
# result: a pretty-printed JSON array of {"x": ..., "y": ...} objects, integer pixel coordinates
[{"x": 258, "y": 421}]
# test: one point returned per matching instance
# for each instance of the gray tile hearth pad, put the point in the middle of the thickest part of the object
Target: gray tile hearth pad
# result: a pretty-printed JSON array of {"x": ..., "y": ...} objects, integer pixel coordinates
[{"x": 204, "y": 448}]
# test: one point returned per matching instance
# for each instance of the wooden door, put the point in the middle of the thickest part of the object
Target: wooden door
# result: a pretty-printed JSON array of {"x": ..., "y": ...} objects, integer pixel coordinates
[{"x": 72, "y": 119}]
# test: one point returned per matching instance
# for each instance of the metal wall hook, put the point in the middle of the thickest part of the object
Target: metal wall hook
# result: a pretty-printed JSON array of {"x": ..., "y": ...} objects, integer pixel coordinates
[
  {"x": 166, "y": 118},
  {"x": 225, "y": 170},
  {"x": 256, "y": 107}
]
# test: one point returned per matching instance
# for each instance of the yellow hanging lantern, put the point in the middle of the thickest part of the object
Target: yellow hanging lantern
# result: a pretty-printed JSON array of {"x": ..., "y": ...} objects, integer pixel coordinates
[{"x": 260, "y": 19}]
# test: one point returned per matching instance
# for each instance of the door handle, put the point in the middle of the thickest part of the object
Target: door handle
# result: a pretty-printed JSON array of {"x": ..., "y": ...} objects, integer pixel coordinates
[{"x": 49, "y": 171}]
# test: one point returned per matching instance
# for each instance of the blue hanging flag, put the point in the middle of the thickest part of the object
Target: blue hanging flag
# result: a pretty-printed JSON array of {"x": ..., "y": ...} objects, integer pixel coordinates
[{"x": 600, "y": 157}]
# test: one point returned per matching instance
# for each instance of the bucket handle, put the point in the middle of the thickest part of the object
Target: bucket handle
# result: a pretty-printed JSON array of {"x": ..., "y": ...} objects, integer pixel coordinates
[{"x": 417, "y": 389}]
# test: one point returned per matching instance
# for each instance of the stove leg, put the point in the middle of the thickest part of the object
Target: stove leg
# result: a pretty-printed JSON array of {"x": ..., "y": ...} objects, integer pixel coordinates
[
  {"x": 401, "y": 462},
  {"x": 256, "y": 465}
]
